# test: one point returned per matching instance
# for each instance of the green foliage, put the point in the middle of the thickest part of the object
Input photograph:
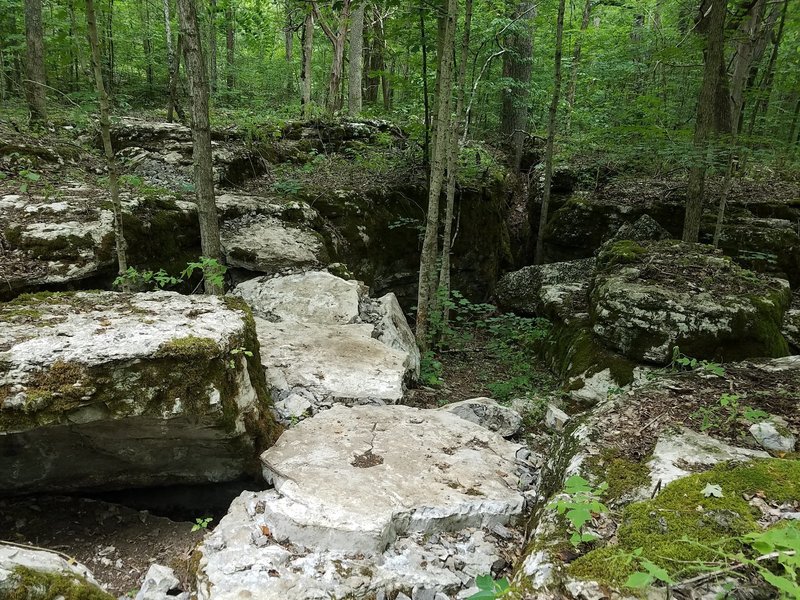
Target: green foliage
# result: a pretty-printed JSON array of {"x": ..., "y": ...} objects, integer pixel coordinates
[
  {"x": 724, "y": 415},
  {"x": 782, "y": 541},
  {"x": 213, "y": 272},
  {"x": 237, "y": 351},
  {"x": 430, "y": 371},
  {"x": 288, "y": 187},
  {"x": 578, "y": 503},
  {"x": 681, "y": 362},
  {"x": 490, "y": 589},
  {"x": 201, "y": 523}
]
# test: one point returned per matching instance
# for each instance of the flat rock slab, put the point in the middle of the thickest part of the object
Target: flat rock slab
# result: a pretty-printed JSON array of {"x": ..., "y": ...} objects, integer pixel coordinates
[
  {"x": 324, "y": 341},
  {"x": 14, "y": 557},
  {"x": 111, "y": 390},
  {"x": 351, "y": 480},
  {"x": 370, "y": 500}
]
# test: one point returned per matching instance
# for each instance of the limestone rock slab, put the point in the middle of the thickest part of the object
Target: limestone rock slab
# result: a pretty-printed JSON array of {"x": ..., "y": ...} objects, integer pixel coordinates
[
  {"x": 14, "y": 557},
  {"x": 108, "y": 390}
]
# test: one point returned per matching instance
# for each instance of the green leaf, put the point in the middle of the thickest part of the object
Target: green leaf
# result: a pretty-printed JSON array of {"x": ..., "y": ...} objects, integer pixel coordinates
[
  {"x": 639, "y": 580},
  {"x": 712, "y": 489}
]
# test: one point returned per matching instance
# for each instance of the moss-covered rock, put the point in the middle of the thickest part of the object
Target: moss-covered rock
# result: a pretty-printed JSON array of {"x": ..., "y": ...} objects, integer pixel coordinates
[
  {"x": 106, "y": 390},
  {"x": 649, "y": 297}
]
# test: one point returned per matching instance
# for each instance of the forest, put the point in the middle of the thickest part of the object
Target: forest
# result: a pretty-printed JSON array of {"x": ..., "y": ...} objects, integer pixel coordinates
[{"x": 385, "y": 300}]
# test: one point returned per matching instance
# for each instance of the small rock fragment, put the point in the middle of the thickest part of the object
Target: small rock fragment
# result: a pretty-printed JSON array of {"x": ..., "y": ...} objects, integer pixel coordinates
[
  {"x": 555, "y": 418},
  {"x": 773, "y": 436}
]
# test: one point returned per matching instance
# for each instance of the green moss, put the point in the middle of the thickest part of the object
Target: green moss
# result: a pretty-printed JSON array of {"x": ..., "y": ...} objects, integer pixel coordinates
[
  {"x": 27, "y": 584},
  {"x": 623, "y": 476},
  {"x": 682, "y": 512},
  {"x": 189, "y": 347},
  {"x": 621, "y": 252}
]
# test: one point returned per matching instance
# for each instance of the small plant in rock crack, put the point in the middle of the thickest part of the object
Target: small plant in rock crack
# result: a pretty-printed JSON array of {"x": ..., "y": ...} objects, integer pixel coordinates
[
  {"x": 579, "y": 503},
  {"x": 490, "y": 589},
  {"x": 201, "y": 523},
  {"x": 236, "y": 352},
  {"x": 726, "y": 413},
  {"x": 682, "y": 362}
]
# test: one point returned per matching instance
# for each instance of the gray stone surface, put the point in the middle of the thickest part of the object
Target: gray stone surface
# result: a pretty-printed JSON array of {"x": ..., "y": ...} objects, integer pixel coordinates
[
  {"x": 111, "y": 390},
  {"x": 555, "y": 418},
  {"x": 324, "y": 341},
  {"x": 158, "y": 583},
  {"x": 369, "y": 500},
  {"x": 487, "y": 413},
  {"x": 13, "y": 557},
  {"x": 773, "y": 436},
  {"x": 791, "y": 328}
]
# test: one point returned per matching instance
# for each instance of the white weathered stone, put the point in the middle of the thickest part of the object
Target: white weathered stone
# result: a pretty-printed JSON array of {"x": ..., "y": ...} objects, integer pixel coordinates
[
  {"x": 487, "y": 413},
  {"x": 555, "y": 418},
  {"x": 311, "y": 297},
  {"x": 115, "y": 390},
  {"x": 158, "y": 581},
  {"x": 393, "y": 330},
  {"x": 773, "y": 436},
  {"x": 406, "y": 517},
  {"x": 678, "y": 455},
  {"x": 266, "y": 244},
  {"x": 13, "y": 557}
]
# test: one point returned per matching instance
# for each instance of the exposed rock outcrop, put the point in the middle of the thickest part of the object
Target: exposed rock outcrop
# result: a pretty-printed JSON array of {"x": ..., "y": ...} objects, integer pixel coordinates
[
  {"x": 419, "y": 503},
  {"x": 325, "y": 341},
  {"x": 648, "y": 298},
  {"x": 105, "y": 390}
]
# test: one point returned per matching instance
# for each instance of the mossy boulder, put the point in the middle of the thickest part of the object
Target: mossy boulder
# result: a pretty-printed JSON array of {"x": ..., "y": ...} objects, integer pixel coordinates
[
  {"x": 791, "y": 329},
  {"x": 30, "y": 574},
  {"x": 648, "y": 297},
  {"x": 107, "y": 390}
]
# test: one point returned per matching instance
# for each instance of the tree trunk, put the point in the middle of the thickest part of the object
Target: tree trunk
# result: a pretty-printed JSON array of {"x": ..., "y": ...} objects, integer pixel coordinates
[
  {"x": 745, "y": 47},
  {"x": 517, "y": 67},
  {"x": 111, "y": 51},
  {"x": 201, "y": 135},
  {"x": 230, "y": 42},
  {"x": 452, "y": 160},
  {"x": 427, "y": 266},
  {"x": 576, "y": 61},
  {"x": 35, "y": 90},
  {"x": 337, "y": 39},
  {"x": 765, "y": 89},
  {"x": 147, "y": 43},
  {"x": 306, "y": 74},
  {"x": 425, "y": 96},
  {"x": 173, "y": 62},
  {"x": 105, "y": 131},
  {"x": 551, "y": 137},
  {"x": 710, "y": 114},
  {"x": 212, "y": 35},
  {"x": 356, "y": 66},
  {"x": 288, "y": 44},
  {"x": 73, "y": 55}
]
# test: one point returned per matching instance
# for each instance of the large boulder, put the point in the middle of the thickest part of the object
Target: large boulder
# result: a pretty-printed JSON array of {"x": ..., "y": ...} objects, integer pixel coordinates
[
  {"x": 648, "y": 298},
  {"x": 415, "y": 504},
  {"x": 26, "y": 572},
  {"x": 791, "y": 329},
  {"x": 324, "y": 341},
  {"x": 107, "y": 390}
]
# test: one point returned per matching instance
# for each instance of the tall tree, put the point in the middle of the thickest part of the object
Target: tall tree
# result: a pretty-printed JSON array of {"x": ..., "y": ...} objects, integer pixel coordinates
[
  {"x": 201, "y": 135},
  {"x": 576, "y": 62},
  {"x": 306, "y": 74},
  {"x": 337, "y": 38},
  {"x": 212, "y": 36},
  {"x": 173, "y": 62},
  {"x": 430, "y": 244},
  {"x": 230, "y": 46},
  {"x": 713, "y": 110},
  {"x": 105, "y": 131},
  {"x": 551, "y": 136},
  {"x": 288, "y": 45},
  {"x": 452, "y": 159},
  {"x": 517, "y": 75},
  {"x": 356, "y": 66},
  {"x": 35, "y": 84}
]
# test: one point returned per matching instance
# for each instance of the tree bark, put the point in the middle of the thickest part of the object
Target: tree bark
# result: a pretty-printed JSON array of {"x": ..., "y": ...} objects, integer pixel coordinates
[
  {"x": 147, "y": 43},
  {"x": 306, "y": 73},
  {"x": 34, "y": 64},
  {"x": 337, "y": 39},
  {"x": 576, "y": 61},
  {"x": 425, "y": 96},
  {"x": 517, "y": 67},
  {"x": 765, "y": 88},
  {"x": 551, "y": 137},
  {"x": 427, "y": 266},
  {"x": 288, "y": 45},
  {"x": 212, "y": 35},
  {"x": 710, "y": 113},
  {"x": 452, "y": 160},
  {"x": 356, "y": 66},
  {"x": 105, "y": 131},
  {"x": 230, "y": 45},
  {"x": 745, "y": 48},
  {"x": 201, "y": 135},
  {"x": 173, "y": 62}
]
